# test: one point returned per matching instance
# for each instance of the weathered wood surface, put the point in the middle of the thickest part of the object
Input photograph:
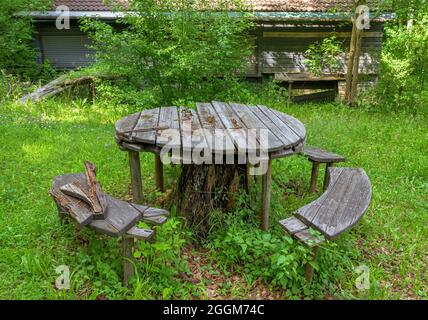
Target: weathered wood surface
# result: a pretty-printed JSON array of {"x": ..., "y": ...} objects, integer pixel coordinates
[
  {"x": 150, "y": 128},
  {"x": 120, "y": 216},
  {"x": 308, "y": 238},
  {"x": 76, "y": 190},
  {"x": 287, "y": 152},
  {"x": 93, "y": 190},
  {"x": 79, "y": 210},
  {"x": 293, "y": 225},
  {"x": 344, "y": 202},
  {"x": 314, "y": 177},
  {"x": 234, "y": 127},
  {"x": 142, "y": 234},
  {"x": 136, "y": 181},
  {"x": 61, "y": 84},
  {"x": 266, "y": 195},
  {"x": 218, "y": 142},
  {"x": 168, "y": 118},
  {"x": 146, "y": 127},
  {"x": 322, "y": 156}
]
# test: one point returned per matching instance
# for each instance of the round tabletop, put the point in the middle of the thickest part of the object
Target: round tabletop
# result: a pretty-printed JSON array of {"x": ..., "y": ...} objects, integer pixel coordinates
[{"x": 218, "y": 126}]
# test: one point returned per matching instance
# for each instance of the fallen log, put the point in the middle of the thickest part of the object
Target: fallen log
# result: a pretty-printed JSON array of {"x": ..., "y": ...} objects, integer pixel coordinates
[{"x": 62, "y": 83}]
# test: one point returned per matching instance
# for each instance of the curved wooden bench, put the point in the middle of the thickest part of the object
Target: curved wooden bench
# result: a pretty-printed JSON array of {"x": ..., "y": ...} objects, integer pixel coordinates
[
  {"x": 340, "y": 207},
  {"x": 318, "y": 156}
]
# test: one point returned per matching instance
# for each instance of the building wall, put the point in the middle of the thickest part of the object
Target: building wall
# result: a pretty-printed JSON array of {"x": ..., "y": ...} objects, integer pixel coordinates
[
  {"x": 281, "y": 48},
  {"x": 278, "y": 48},
  {"x": 64, "y": 49}
]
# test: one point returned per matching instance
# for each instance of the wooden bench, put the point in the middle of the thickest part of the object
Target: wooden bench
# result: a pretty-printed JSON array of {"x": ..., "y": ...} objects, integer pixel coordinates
[
  {"x": 318, "y": 156},
  {"x": 106, "y": 215},
  {"x": 341, "y": 206}
]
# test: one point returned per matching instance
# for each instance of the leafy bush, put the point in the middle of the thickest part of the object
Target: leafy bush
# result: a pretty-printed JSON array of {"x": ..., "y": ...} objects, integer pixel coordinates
[
  {"x": 324, "y": 56},
  {"x": 179, "y": 48},
  {"x": 404, "y": 72},
  {"x": 17, "y": 55}
]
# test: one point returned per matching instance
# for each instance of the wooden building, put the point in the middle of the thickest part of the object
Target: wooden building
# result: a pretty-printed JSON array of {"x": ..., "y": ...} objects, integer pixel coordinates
[{"x": 285, "y": 29}]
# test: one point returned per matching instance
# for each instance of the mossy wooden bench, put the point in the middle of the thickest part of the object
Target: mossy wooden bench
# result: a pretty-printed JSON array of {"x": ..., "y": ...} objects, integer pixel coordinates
[
  {"x": 344, "y": 202},
  {"x": 79, "y": 196},
  {"x": 318, "y": 156}
]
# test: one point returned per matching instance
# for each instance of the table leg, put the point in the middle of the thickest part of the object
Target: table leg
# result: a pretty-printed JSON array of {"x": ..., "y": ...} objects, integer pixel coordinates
[
  {"x": 266, "y": 190},
  {"x": 136, "y": 183},
  {"x": 314, "y": 177},
  {"x": 159, "y": 172}
]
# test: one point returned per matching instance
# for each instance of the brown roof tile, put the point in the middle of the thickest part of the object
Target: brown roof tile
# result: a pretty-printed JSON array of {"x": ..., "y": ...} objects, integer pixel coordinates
[{"x": 257, "y": 5}]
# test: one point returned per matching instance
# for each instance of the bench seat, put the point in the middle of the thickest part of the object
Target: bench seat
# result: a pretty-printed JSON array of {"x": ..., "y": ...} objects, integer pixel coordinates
[
  {"x": 321, "y": 156},
  {"x": 341, "y": 206}
]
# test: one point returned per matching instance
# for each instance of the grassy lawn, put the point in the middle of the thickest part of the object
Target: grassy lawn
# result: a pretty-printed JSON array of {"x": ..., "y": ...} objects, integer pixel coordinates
[{"x": 39, "y": 141}]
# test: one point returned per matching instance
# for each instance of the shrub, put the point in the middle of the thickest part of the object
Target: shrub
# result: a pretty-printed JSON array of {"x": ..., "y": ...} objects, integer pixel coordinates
[{"x": 179, "y": 48}]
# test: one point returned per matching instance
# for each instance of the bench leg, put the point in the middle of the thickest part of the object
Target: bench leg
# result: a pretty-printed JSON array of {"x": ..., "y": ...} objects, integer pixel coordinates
[
  {"x": 314, "y": 177},
  {"x": 159, "y": 172},
  {"x": 326, "y": 176},
  {"x": 309, "y": 270},
  {"x": 136, "y": 182},
  {"x": 266, "y": 190},
  {"x": 128, "y": 267}
]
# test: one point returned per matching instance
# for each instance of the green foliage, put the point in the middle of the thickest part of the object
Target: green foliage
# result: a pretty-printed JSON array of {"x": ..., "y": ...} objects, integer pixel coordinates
[
  {"x": 41, "y": 140},
  {"x": 179, "y": 48},
  {"x": 17, "y": 54},
  {"x": 404, "y": 60},
  {"x": 404, "y": 72},
  {"x": 325, "y": 56}
]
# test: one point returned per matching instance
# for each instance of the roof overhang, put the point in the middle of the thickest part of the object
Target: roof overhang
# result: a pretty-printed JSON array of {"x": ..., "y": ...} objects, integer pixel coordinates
[{"x": 258, "y": 16}]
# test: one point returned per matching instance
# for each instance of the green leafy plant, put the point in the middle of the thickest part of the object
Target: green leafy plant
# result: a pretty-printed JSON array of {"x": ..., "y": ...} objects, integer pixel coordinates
[
  {"x": 179, "y": 48},
  {"x": 17, "y": 54},
  {"x": 325, "y": 56}
]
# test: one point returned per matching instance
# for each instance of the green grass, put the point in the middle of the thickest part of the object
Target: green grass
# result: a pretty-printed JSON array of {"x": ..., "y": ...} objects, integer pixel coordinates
[{"x": 39, "y": 141}]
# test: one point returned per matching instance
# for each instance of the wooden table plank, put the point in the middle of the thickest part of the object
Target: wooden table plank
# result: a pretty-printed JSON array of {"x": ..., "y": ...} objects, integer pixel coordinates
[
  {"x": 252, "y": 122},
  {"x": 145, "y": 130},
  {"x": 220, "y": 142},
  {"x": 235, "y": 128},
  {"x": 269, "y": 123},
  {"x": 190, "y": 128},
  {"x": 125, "y": 125},
  {"x": 285, "y": 128},
  {"x": 168, "y": 119},
  {"x": 292, "y": 123}
]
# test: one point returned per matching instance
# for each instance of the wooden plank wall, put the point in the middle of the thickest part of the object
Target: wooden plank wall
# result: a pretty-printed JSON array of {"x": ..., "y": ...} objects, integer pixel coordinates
[{"x": 282, "y": 48}]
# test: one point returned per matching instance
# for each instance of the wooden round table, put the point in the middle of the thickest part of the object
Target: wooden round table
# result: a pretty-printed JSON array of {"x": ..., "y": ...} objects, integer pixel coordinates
[{"x": 150, "y": 131}]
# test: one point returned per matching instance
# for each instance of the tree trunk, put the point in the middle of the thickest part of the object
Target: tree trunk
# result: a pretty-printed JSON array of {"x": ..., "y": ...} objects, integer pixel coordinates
[
  {"x": 204, "y": 188},
  {"x": 353, "y": 61}
]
